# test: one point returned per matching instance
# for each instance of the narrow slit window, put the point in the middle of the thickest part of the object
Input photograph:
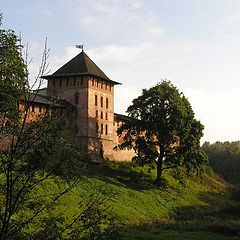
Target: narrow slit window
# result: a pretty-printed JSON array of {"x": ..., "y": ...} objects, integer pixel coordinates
[
  {"x": 101, "y": 101},
  {"x": 76, "y": 96},
  {"x": 106, "y": 102},
  {"x": 101, "y": 115},
  {"x": 101, "y": 128},
  {"x": 106, "y": 129},
  {"x": 95, "y": 100}
]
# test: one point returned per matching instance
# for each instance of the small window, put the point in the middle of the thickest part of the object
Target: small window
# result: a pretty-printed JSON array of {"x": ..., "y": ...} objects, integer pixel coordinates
[
  {"x": 106, "y": 102},
  {"x": 97, "y": 128},
  {"x": 92, "y": 82},
  {"x": 110, "y": 87},
  {"x": 101, "y": 85},
  {"x": 95, "y": 100},
  {"x": 105, "y": 86},
  {"x": 40, "y": 108},
  {"x": 106, "y": 116},
  {"x": 97, "y": 83},
  {"x": 101, "y": 101},
  {"x": 106, "y": 129},
  {"x": 101, "y": 115},
  {"x": 96, "y": 113},
  {"x": 101, "y": 128},
  {"x": 81, "y": 80},
  {"x": 76, "y": 98}
]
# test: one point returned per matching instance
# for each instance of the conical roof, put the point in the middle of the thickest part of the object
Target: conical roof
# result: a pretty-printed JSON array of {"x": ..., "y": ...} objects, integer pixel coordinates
[{"x": 80, "y": 65}]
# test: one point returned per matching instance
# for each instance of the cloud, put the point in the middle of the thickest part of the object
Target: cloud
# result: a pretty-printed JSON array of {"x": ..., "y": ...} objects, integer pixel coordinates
[{"x": 130, "y": 20}]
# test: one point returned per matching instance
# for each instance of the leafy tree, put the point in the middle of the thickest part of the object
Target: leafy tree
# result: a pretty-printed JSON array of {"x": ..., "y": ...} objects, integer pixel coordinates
[
  {"x": 162, "y": 129},
  {"x": 30, "y": 151},
  {"x": 34, "y": 153},
  {"x": 224, "y": 158}
]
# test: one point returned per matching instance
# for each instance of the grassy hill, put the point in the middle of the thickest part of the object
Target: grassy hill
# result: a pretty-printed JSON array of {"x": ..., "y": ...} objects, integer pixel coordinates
[{"x": 181, "y": 208}]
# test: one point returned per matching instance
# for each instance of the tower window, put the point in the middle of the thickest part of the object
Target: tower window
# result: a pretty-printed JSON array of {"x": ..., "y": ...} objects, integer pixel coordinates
[
  {"x": 40, "y": 108},
  {"x": 106, "y": 129},
  {"x": 101, "y": 115},
  {"x": 95, "y": 100},
  {"x": 93, "y": 82},
  {"x": 106, "y": 116},
  {"x": 76, "y": 98},
  {"x": 101, "y": 128},
  {"x": 101, "y": 101},
  {"x": 105, "y": 86},
  {"x": 106, "y": 102},
  {"x": 97, "y": 83}
]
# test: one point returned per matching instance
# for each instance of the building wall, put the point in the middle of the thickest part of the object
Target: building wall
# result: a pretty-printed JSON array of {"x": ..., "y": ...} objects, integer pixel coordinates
[{"x": 93, "y": 124}]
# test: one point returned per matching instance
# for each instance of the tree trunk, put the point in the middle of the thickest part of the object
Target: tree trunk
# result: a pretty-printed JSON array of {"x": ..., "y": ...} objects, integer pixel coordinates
[{"x": 159, "y": 168}]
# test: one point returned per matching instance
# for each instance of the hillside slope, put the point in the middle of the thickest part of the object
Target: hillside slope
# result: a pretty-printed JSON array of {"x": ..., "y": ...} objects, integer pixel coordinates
[{"x": 204, "y": 204}]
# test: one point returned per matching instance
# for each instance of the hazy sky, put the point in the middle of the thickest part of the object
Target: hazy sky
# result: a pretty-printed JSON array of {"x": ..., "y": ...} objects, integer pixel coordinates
[{"x": 193, "y": 43}]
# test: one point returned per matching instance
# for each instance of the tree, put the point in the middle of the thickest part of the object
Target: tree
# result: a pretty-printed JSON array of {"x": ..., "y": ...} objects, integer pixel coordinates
[
  {"x": 162, "y": 129},
  {"x": 30, "y": 151},
  {"x": 34, "y": 154}
]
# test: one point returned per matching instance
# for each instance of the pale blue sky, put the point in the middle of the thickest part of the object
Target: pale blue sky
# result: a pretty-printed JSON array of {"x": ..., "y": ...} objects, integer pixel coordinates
[{"x": 193, "y": 43}]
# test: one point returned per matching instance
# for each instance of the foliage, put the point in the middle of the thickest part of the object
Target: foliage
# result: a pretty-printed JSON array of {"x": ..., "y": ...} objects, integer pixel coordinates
[
  {"x": 224, "y": 158},
  {"x": 162, "y": 129}
]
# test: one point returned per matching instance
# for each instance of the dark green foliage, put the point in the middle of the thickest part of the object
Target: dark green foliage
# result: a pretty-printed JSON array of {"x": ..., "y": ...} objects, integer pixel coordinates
[
  {"x": 162, "y": 129},
  {"x": 224, "y": 158}
]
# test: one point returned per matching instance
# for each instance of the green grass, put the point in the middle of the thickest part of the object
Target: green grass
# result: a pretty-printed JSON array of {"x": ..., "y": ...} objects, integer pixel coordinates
[
  {"x": 180, "y": 208},
  {"x": 174, "y": 235}
]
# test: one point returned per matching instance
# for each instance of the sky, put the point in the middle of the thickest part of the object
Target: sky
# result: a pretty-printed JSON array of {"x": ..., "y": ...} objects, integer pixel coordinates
[{"x": 193, "y": 43}]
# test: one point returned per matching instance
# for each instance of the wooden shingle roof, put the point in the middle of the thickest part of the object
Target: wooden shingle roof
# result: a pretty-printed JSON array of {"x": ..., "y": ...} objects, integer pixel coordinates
[{"x": 79, "y": 66}]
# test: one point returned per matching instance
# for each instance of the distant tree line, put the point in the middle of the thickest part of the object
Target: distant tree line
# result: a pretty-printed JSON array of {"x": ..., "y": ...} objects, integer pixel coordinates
[{"x": 224, "y": 158}]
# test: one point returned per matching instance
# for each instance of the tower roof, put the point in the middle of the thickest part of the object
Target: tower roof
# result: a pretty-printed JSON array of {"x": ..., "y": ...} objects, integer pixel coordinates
[{"x": 79, "y": 66}]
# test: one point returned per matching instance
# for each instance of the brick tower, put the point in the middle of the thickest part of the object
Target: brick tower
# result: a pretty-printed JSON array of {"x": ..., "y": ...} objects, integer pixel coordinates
[{"x": 82, "y": 83}]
